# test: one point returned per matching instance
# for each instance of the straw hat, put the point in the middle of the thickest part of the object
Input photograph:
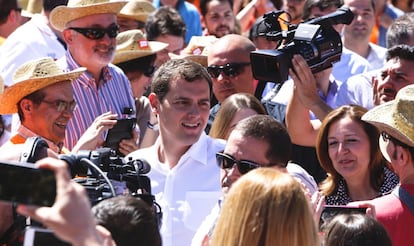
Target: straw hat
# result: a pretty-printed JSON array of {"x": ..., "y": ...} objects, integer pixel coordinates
[
  {"x": 196, "y": 50},
  {"x": 132, "y": 44},
  {"x": 137, "y": 10},
  {"x": 76, "y": 9},
  {"x": 33, "y": 76},
  {"x": 396, "y": 117}
]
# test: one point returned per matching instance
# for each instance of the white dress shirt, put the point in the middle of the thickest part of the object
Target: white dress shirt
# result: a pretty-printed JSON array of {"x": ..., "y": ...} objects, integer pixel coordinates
[{"x": 188, "y": 191}]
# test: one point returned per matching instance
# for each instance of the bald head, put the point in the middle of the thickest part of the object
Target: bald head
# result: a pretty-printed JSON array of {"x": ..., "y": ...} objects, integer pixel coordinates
[
  {"x": 232, "y": 51},
  {"x": 232, "y": 45}
]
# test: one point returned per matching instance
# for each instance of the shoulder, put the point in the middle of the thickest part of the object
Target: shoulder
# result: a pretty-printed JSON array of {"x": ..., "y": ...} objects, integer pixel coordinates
[{"x": 145, "y": 153}]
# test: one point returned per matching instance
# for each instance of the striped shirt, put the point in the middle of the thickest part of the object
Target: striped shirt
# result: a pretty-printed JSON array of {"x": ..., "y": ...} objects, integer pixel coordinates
[{"x": 112, "y": 93}]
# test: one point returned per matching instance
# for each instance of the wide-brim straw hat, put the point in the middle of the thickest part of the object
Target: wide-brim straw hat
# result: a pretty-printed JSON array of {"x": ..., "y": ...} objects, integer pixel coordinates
[
  {"x": 76, "y": 9},
  {"x": 395, "y": 117},
  {"x": 196, "y": 50},
  {"x": 137, "y": 10},
  {"x": 33, "y": 76},
  {"x": 132, "y": 44}
]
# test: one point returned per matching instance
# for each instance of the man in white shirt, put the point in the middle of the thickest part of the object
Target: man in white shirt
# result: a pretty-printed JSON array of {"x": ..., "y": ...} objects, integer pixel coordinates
[
  {"x": 185, "y": 178},
  {"x": 356, "y": 36}
]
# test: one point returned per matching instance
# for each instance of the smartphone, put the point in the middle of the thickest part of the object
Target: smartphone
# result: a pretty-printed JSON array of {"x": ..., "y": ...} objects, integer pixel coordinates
[
  {"x": 24, "y": 183},
  {"x": 36, "y": 236},
  {"x": 121, "y": 130},
  {"x": 329, "y": 212}
]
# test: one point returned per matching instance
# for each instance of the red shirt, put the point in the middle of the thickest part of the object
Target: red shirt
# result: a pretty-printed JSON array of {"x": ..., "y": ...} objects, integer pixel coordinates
[{"x": 396, "y": 217}]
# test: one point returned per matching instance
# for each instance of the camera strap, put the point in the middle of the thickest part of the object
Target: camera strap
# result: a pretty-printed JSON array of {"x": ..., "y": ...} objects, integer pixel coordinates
[{"x": 405, "y": 197}]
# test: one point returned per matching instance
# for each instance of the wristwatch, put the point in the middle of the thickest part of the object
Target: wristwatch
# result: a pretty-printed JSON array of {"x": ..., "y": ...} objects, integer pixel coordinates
[{"x": 153, "y": 127}]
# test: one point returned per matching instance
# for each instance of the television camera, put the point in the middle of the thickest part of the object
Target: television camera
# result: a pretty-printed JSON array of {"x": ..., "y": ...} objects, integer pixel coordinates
[
  {"x": 102, "y": 172},
  {"x": 316, "y": 40}
]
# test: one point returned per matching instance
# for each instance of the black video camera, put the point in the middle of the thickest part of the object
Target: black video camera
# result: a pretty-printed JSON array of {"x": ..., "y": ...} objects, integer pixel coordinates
[{"x": 316, "y": 40}]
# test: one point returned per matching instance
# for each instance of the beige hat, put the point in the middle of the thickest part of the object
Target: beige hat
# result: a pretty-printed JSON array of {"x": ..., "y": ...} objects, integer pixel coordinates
[
  {"x": 76, "y": 9},
  {"x": 395, "y": 117},
  {"x": 33, "y": 76},
  {"x": 196, "y": 50},
  {"x": 132, "y": 44},
  {"x": 137, "y": 10}
]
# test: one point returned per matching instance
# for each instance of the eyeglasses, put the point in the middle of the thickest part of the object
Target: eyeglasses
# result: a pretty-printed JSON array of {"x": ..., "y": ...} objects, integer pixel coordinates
[
  {"x": 387, "y": 138},
  {"x": 149, "y": 71},
  {"x": 226, "y": 162},
  {"x": 97, "y": 33},
  {"x": 61, "y": 106},
  {"x": 230, "y": 69}
]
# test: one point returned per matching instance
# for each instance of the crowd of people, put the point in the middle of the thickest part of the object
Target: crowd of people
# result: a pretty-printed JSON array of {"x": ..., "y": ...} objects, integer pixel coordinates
[{"x": 232, "y": 159}]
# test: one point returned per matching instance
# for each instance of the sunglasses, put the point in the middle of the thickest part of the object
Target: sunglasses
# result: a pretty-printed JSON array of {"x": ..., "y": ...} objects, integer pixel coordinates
[
  {"x": 226, "y": 162},
  {"x": 61, "y": 106},
  {"x": 149, "y": 71},
  {"x": 230, "y": 69},
  {"x": 97, "y": 33}
]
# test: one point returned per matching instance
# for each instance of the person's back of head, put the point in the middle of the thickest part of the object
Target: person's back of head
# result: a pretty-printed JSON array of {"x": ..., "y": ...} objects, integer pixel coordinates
[
  {"x": 401, "y": 31},
  {"x": 165, "y": 21},
  {"x": 266, "y": 128},
  {"x": 129, "y": 219},
  {"x": 355, "y": 230},
  {"x": 49, "y": 5},
  {"x": 266, "y": 207}
]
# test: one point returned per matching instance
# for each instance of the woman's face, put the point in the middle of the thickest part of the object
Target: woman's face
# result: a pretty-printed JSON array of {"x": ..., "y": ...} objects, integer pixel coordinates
[
  {"x": 139, "y": 83},
  {"x": 349, "y": 148}
]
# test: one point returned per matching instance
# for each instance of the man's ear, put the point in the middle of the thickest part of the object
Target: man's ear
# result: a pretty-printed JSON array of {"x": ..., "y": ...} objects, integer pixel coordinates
[
  {"x": 155, "y": 103},
  {"x": 67, "y": 36},
  {"x": 26, "y": 105}
]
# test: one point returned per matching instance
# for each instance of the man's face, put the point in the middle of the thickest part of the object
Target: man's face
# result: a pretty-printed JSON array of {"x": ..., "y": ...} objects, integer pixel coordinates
[
  {"x": 295, "y": 9},
  {"x": 219, "y": 19},
  {"x": 175, "y": 45},
  {"x": 90, "y": 52},
  {"x": 223, "y": 85},
  {"x": 45, "y": 119},
  {"x": 364, "y": 20},
  {"x": 184, "y": 111},
  {"x": 396, "y": 74},
  {"x": 242, "y": 148}
]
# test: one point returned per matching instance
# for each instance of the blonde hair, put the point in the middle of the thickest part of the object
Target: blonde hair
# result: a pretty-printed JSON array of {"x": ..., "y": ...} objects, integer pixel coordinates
[
  {"x": 228, "y": 109},
  {"x": 266, "y": 207}
]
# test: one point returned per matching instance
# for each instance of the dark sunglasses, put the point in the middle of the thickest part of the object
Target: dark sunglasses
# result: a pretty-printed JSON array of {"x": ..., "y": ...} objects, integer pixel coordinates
[
  {"x": 149, "y": 71},
  {"x": 96, "y": 33},
  {"x": 230, "y": 69},
  {"x": 226, "y": 162}
]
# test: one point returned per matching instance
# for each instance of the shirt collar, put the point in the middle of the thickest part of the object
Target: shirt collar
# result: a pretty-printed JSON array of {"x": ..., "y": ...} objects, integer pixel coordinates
[{"x": 26, "y": 133}]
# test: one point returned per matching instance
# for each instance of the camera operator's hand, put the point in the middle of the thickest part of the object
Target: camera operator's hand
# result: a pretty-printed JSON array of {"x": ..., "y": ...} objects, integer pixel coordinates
[
  {"x": 91, "y": 139},
  {"x": 127, "y": 146},
  {"x": 307, "y": 84},
  {"x": 70, "y": 217}
]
